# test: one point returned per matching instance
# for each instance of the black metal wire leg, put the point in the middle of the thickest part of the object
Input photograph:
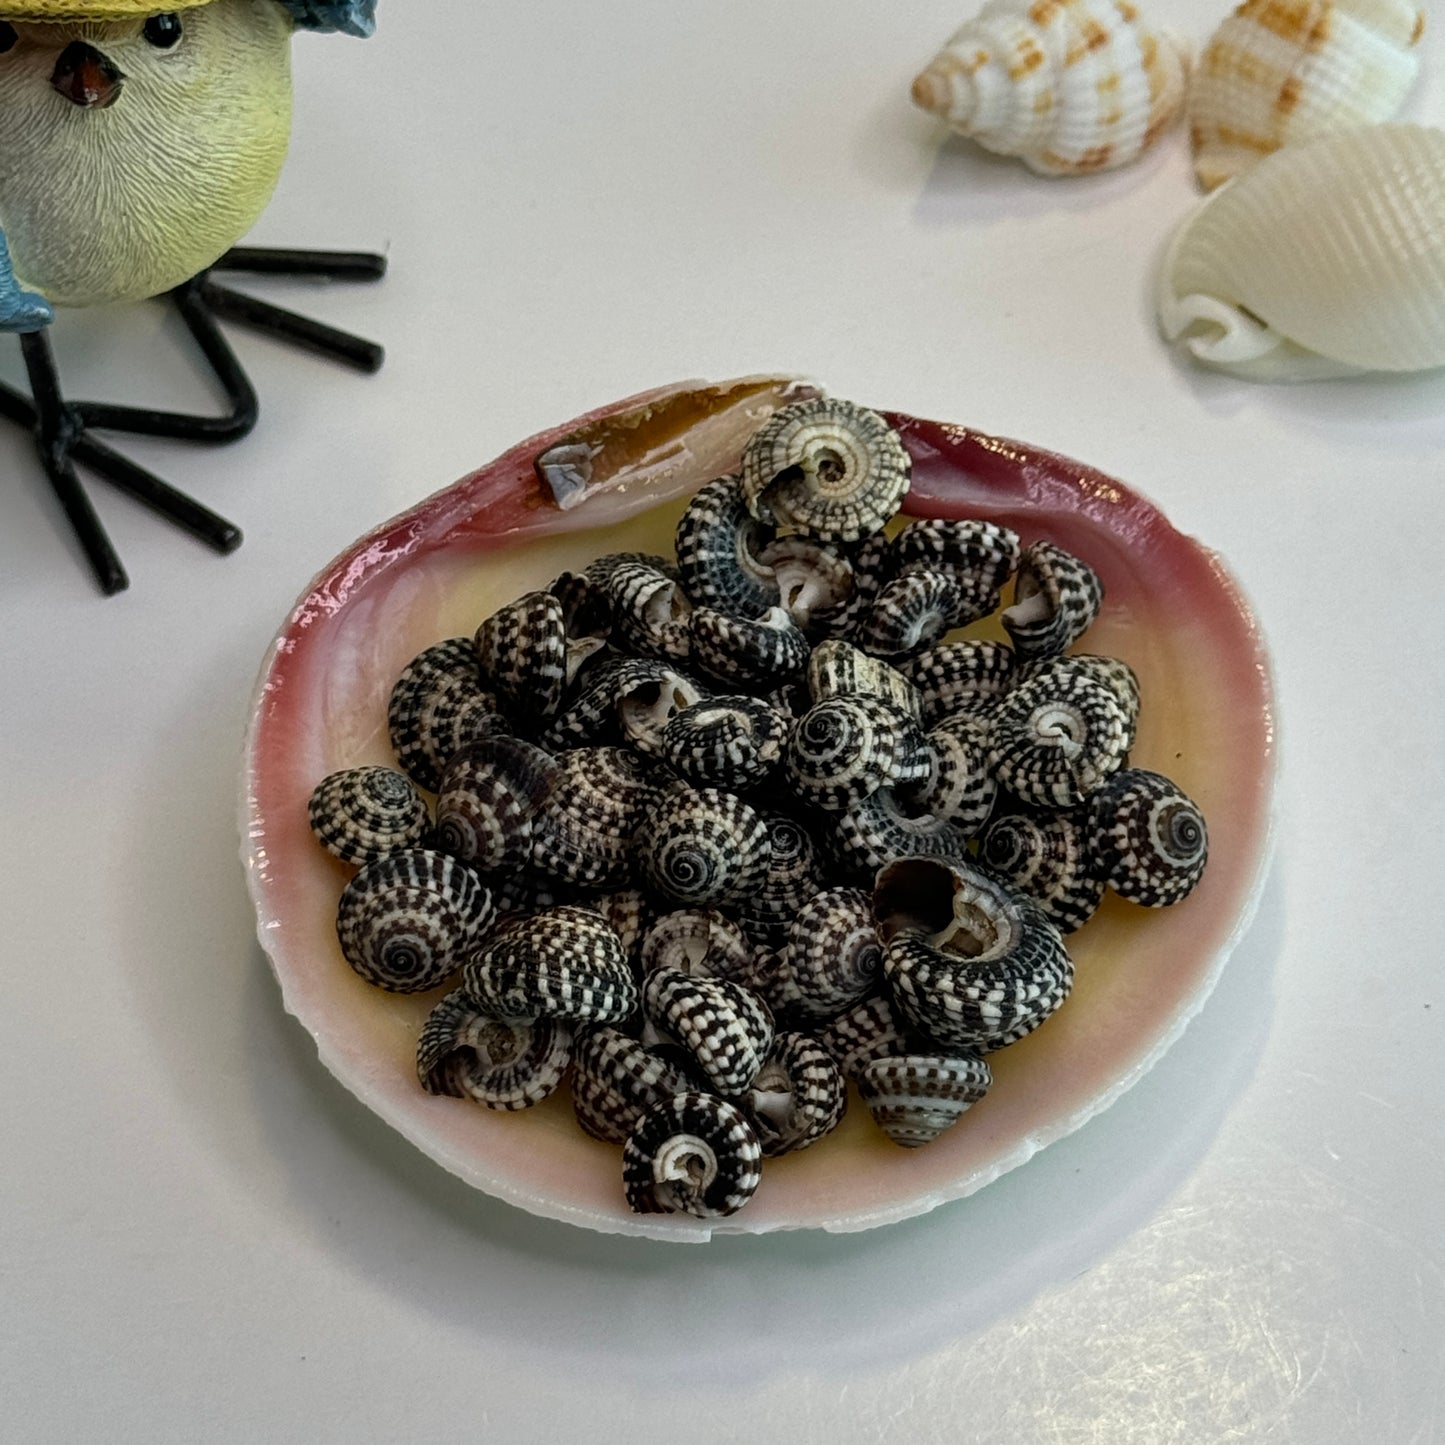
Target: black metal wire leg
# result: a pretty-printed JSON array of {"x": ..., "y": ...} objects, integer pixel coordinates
[{"x": 61, "y": 441}]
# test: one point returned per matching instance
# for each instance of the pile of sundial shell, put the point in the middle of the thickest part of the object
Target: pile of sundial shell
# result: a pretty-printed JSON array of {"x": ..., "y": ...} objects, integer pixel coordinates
[{"x": 716, "y": 834}]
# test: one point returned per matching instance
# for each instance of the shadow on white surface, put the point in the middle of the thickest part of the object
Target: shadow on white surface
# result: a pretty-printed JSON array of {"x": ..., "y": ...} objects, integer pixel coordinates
[{"x": 969, "y": 186}]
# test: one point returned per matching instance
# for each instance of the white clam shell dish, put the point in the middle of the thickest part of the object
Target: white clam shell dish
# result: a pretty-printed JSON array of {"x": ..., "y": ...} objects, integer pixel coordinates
[
  {"x": 1327, "y": 259},
  {"x": 1277, "y": 72},
  {"x": 1067, "y": 86}
]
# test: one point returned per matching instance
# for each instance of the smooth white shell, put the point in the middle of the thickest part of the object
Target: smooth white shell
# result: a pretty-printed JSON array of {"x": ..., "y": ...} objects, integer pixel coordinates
[
  {"x": 1326, "y": 259},
  {"x": 1068, "y": 86},
  {"x": 1277, "y": 72}
]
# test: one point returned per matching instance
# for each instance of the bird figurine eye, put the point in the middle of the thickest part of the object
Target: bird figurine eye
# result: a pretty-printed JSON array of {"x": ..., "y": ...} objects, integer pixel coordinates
[
  {"x": 8, "y": 37},
  {"x": 163, "y": 31}
]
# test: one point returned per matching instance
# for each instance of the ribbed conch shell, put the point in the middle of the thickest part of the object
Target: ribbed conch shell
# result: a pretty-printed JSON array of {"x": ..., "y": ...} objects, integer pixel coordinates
[
  {"x": 1067, "y": 86},
  {"x": 1326, "y": 259},
  {"x": 1277, "y": 72}
]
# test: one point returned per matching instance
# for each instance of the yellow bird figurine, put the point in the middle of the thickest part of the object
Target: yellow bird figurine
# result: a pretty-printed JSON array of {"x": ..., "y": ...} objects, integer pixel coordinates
[{"x": 136, "y": 147}]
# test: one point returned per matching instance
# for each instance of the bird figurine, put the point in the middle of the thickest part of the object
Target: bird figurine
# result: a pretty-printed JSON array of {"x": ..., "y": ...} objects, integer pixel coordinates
[{"x": 136, "y": 147}]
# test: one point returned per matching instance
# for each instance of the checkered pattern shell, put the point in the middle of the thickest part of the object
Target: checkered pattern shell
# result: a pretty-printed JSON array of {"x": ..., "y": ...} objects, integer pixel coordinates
[
  {"x": 1054, "y": 740},
  {"x": 837, "y": 668},
  {"x": 962, "y": 787},
  {"x": 651, "y": 614},
  {"x": 522, "y": 655},
  {"x": 466, "y": 1052},
  {"x": 833, "y": 957},
  {"x": 736, "y": 653},
  {"x": 488, "y": 797},
  {"x": 734, "y": 741},
  {"x": 437, "y": 707},
  {"x": 724, "y": 1027},
  {"x": 616, "y": 1080},
  {"x": 565, "y": 963},
  {"x": 361, "y": 814},
  {"x": 794, "y": 875},
  {"x": 1149, "y": 838},
  {"x": 698, "y": 941},
  {"x": 1049, "y": 857},
  {"x": 979, "y": 1003},
  {"x": 406, "y": 921},
  {"x": 959, "y": 677},
  {"x": 701, "y": 848},
  {"x": 584, "y": 833},
  {"x": 717, "y": 545},
  {"x": 848, "y": 747},
  {"x": 830, "y": 468},
  {"x": 1056, "y": 597},
  {"x": 692, "y": 1154},
  {"x": 1117, "y": 676},
  {"x": 912, "y": 613},
  {"x": 915, "y": 1097},
  {"x": 879, "y": 829},
  {"x": 869, "y": 1030},
  {"x": 980, "y": 556},
  {"x": 797, "y": 1097}
]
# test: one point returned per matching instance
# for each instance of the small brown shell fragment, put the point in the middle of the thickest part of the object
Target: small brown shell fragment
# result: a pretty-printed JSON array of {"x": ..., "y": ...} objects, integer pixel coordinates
[
  {"x": 1056, "y": 598},
  {"x": 406, "y": 921},
  {"x": 693, "y": 1154},
  {"x": 360, "y": 814},
  {"x": 468, "y": 1053},
  {"x": 826, "y": 467},
  {"x": 915, "y": 1097},
  {"x": 797, "y": 1096}
]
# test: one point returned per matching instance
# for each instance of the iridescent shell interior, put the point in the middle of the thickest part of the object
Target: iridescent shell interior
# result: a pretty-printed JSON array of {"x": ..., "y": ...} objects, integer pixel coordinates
[{"x": 1171, "y": 611}]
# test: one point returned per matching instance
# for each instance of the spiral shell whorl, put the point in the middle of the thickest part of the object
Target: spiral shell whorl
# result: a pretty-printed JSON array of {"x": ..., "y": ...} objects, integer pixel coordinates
[
  {"x": 361, "y": 814},
  {"x": 702, "y": 848}
]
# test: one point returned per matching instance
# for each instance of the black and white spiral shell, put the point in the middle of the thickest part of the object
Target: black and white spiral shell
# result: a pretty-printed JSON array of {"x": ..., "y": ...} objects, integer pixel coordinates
[
  {"x": 565, "y": 963},
  {"x": 826, "y": 467},
  {"x": 733, "y": 741},
  {"x": 1049, "y": 856},
  {"x": 911, "y": 613},
  {"x": 629, "y": 913},
  {"x": 1149, "y": 837},
  {"x": 487, "y": 799},
  {"x": 980, "y": 556},
  {"x": 437, "y": 706},
  {"x": 794, "y": 875},
  {"x": 913, "y": 1098},
  {"x": 651, "y": 614},
  {"x": 961, "y": 787},
  {"x": 955, "y": 677},
  {"x": 796, "y": 1097},
  {"x": 1057, "y": 596},
  {"x": 970, "y": 963},
  {"x": 724, "y": 1027},
  {"x": 361, "y": 814},
  {"x": 884, "y": 826},
  {"x": 1054, "y": 740},
  {"x": 837, "y": 668},
  {"x": 522, "y": 655},
  {"x": 701, "y": 848},
  {"x": 583, "y": 832},
  {"x": 832, "y": 958},
  {"x": 743, "y": 654},
  {"x": 869, "y": 1030},
  {"x": 692, "y": 1154},
  {"x": 407, "y": 921},
  {"x": 468, "y": 1053},
  {"x": 818, "y": 585},
  {"x": 700, "y": 942},
  {"x": 718, "y": 543},
  {"x": 616, "y": 1079},
  {"x": 1114, "y": 673},
  {"x": 848, "y": 747}
]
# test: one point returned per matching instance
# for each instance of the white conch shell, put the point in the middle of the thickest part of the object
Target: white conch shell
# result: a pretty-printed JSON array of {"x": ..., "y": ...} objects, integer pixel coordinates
[
  {"x": 1325, "y": 259},
  {"x": 1281, "y": 71},
  {"x": 1068, "y": 86}
]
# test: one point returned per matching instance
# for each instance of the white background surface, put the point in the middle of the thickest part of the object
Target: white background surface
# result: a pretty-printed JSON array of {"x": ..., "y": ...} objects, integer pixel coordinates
[{"x": 203, "y": 1238}]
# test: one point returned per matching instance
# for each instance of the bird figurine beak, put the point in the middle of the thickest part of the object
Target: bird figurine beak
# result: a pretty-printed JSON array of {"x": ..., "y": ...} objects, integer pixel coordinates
[{"x": 86, "y": 77}]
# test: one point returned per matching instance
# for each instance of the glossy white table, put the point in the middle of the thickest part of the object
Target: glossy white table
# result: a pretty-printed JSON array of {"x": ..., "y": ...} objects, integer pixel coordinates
[{"x": 205, "y": 1238}]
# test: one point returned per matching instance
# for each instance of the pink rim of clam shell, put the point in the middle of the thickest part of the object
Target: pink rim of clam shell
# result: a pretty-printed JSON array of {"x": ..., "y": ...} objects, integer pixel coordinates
[{"x": 1171, "y": 610}]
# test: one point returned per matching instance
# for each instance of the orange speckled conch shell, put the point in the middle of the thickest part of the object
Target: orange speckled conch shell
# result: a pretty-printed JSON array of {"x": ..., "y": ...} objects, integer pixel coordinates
[{"x": 1067, "y": 86}]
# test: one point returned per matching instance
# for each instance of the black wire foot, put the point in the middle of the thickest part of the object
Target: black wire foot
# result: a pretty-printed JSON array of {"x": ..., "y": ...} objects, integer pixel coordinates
[{"x": 62, "y": 429}]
